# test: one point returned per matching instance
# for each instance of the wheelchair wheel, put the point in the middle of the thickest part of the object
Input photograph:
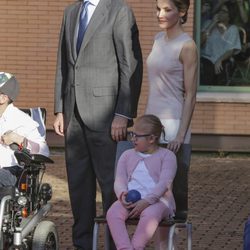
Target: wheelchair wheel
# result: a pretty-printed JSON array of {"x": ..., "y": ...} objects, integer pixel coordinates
[{"x": 45, "y": 236}]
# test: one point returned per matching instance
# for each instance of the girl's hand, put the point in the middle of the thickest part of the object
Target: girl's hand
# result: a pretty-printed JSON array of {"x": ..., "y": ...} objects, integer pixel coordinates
[
  {"x": 123, "y": 200},
  {"x": 137, "y": 208}
]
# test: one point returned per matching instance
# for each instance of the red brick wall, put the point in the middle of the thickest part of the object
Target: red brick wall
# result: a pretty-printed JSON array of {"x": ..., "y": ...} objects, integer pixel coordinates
[
  {"x": 221, "y": 118},
  {"x": 28, "y": 45}
]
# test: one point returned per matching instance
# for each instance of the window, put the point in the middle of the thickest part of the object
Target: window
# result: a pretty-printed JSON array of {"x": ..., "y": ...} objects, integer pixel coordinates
[{"x": 223, "y": 39}]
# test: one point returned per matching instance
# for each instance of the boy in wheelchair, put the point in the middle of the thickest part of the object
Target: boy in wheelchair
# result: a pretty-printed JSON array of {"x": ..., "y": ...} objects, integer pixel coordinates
[
  {"x": 17, "y": 130},
  {"x": 23, "y": 196}
]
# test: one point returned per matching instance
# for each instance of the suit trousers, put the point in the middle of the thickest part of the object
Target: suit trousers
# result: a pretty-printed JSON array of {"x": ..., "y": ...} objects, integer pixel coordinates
[{"x": 90, "y": 156}]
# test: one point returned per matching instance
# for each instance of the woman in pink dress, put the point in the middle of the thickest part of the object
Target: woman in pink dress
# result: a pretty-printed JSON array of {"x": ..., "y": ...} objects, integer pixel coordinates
[{"x": 172, "y": 73}]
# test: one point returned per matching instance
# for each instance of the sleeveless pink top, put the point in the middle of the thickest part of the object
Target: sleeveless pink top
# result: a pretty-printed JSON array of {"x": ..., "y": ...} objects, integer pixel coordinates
[{"x": 165, "y": 74}]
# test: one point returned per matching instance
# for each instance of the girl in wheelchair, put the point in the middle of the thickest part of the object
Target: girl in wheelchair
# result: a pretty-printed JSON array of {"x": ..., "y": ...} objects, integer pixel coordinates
[{"x": 150, "y": 169}]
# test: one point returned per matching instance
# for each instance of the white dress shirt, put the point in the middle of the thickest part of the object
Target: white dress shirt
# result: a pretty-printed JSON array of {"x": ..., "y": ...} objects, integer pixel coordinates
[
  {"x": 91, "y": 8},
  {"x": 17, "y": 121}
]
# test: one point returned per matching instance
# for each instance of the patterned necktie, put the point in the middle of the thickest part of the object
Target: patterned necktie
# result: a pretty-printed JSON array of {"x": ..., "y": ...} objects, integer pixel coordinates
[{"x": 83, "y": 23}]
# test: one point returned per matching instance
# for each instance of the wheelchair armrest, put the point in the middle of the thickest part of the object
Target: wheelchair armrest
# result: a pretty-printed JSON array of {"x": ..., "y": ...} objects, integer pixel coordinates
[
  {"x": 25, "y": 158},
  {"x": 36, "y": 158},
  {"x": 181, "y": 215}
]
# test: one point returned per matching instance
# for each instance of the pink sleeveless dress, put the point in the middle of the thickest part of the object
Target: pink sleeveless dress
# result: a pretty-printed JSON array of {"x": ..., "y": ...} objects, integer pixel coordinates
[{"x": 166, "y": 83}]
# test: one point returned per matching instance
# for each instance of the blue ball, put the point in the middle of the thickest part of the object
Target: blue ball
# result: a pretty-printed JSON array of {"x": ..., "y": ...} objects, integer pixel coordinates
[{"x": 133, "y": 196}]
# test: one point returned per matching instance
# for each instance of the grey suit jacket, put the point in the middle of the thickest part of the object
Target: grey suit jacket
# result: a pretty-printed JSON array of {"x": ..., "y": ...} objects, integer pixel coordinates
[{"x": 105, "y": 78}]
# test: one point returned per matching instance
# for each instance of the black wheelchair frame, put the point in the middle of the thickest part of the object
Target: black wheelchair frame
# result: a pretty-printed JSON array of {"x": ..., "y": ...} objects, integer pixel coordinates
[{"x": 24, "y": 206}]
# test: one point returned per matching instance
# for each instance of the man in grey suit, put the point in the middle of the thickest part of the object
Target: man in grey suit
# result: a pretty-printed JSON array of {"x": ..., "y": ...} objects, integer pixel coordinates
[{"x": 96, "y": 96}]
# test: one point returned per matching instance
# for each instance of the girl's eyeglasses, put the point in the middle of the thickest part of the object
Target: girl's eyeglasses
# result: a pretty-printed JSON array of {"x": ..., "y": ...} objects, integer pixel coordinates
[{"x": 131, "y": 135}]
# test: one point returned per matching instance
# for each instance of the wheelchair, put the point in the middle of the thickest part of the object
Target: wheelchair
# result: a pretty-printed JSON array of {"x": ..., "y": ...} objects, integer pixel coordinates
[{"x": 24, "y": 206}]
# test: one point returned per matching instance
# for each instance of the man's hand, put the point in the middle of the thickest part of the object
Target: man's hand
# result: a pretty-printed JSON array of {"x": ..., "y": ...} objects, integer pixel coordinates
[
  {"x": 119, "y": 128},
  {"x": 10, "y": 137},
  {"x": 58, "y": 124}
]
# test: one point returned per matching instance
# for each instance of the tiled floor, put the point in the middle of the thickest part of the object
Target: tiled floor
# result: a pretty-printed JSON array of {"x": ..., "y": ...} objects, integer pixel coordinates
[{"x": 219, "y": 201}]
